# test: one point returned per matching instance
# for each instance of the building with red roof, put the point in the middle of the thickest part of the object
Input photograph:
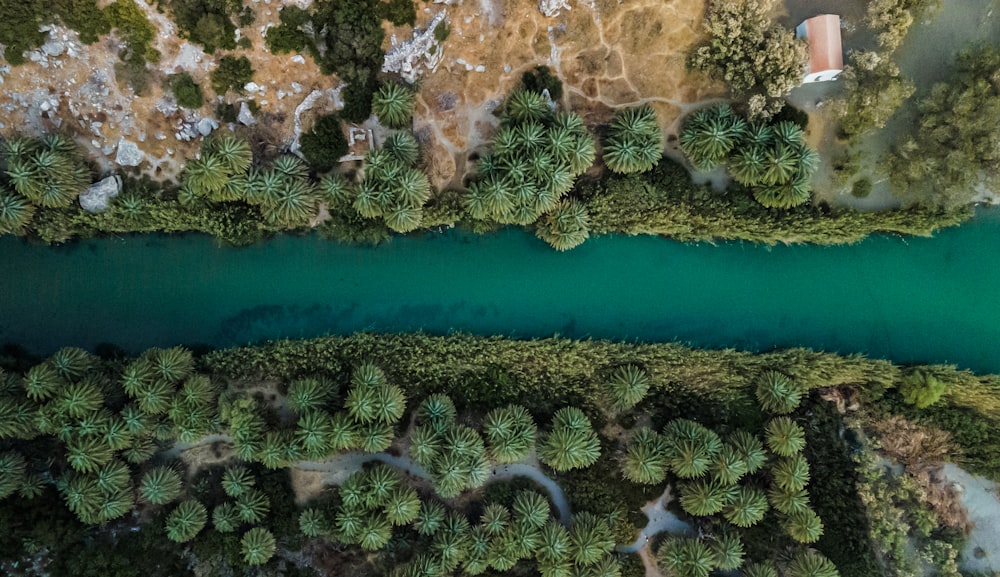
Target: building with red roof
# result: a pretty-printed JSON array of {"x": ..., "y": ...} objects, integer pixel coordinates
[{"x": 826, "y": 53}]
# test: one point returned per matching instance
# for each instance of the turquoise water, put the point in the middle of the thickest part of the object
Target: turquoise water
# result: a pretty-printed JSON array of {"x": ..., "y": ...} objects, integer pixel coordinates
[{"x": 928, "y": 300}]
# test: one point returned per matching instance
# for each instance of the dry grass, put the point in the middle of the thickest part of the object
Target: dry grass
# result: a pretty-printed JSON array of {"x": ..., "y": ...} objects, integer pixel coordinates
[{"x": 912, "y": 445}]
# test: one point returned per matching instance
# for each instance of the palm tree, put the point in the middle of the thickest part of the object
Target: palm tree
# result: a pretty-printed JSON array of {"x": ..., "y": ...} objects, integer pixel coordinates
[
  {"x": 172, "y": 365},
  {"x": 343, "y": 432},
  {"x": 402, "y": 506},
  {"x": 80, "y": 493},
  {"x": 313, "y": 522},
  {"x": 294, "y": 203},
  {"x": 362, "y": 403},
  {"x": 778, "y": 393},
  {"x": 306, "y": 395},
  {"x": 252, "y": 506},
  {"x": 375, "y": 532},
  {"x": 634, "y": 143},
  {"x": 439, "y": 410},
  {"x": 750, "y": 450},
  {"x": 531, "y": 508},
  {"x": 555, "y": 546},
  {"x": 349, "y": 525},
  {"x": 404, "y": 147},
  {"x": 257, "y": 546},
  {"x": 41, "y": 382},
  {"x": 140, "y": 450},
  {"x": 566, "y": 227},
  {"x": 686, "y": 557},
  {"x": 393, "y": 104},
  {"x": 527, "y": 106},
  {"x": 760, "y": 569},
  {"x": 690, "y": 458},
  {"x": 804, "y": 526},
  {"x": 206, "y": 176},
  {"x": 375, "y": 437},
  {"x": 336, "y": 190},
  {"x": 115, "y": 505},
  {"x": 791, "y": 473},
  {"x": 291, "y": 167},
  {"x": 710, "y": 135},
  {"x": 564, "y": 449},
  {"x": 748, "y": 165},
  {"x": 510, "y": 432},
  {"x": 591, "y": 538},
  {"x": 646, "y": 458},
  {"x": 706, "y": 497},
  {"x": 728, "y": 551},
  {"x": 451, "y": 474},
  {"x": 746, "y": 508},
  {"x": 160, "y": 486},
  {"x": 273, "y": 450},
  {"x": 451, "y": 543},
  {"x": 234, "y": 152},
  {"x": 788, "y": 501},
  {"x": 12, "y": 473},
  {"x": 628, "y": 386},
  {"x": 236, "y": 481},
  {"x": 389, "y": 404},
  {"x": 71, "y": 363},
  {"x": 785, "y": 437},
  {"x": 155, "y": 397},
  {"x": 430, "y": 518},
  {"x": 412, "y": 188},
  {"x": 25, "y": 177},
  {"x": 32, "y": 485},
  {"x": 495, "y": 519},
  {"x": 135, "y": 376},
  {"x": 788, "y": 195},
  {"x": 226, "y": 518},
  {"x": 186, "y": 521},
  {"x": 380, "y": 481},
  {"x": 728, "y": 466},
  {"x": 87, "y": 454},
  {"x": 15, "y": 213},
  {"x": 475, "y": 562},
  {"x": 425, "y": 445},
  {"x": 811, "y": 564},
  {"x": 313, "y": 433}
]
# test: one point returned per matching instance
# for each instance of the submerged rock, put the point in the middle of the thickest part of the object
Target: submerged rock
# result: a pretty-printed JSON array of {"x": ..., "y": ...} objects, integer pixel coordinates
[{"x": 97, "y": 195}]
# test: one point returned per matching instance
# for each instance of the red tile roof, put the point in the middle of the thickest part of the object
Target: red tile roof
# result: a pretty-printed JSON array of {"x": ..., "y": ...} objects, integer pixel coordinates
[{"x": 825, "y": 49}]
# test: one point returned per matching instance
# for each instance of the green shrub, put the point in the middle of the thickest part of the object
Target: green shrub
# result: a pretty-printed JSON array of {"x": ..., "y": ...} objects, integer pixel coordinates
[
  {"x": 442, "y": 32},
  {"x": 358, "y": 100},
  {"x": 921, "y": 389},
  {"x": 288, "y": 36},
  {"x": 135, "y": 29},
  {"x": 19, "y": 20},
  {"x": 207, "y": 22},
  {"x": 231, "y": 74},
  {"x": 540, "y": 78},
  {"x": 84, "y": 16},
  {"x": 399, "y": 12},
  {"x": 861, "y": 188},
  {"x": 186, "y": 90},
  {"x": 325, "y": 143}
]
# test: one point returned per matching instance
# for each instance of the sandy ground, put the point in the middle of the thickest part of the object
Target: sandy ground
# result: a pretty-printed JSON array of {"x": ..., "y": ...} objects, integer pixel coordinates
[
  {"x": 660, "y": 521},
  {"x": 981, "y": 498}
]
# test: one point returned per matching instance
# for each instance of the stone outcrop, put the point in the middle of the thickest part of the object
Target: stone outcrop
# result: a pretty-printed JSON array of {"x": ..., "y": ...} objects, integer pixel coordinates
[
  {"x": 422, "y": 52},
  {"x": 552, "y": 8},
  {"x": 98, "y": 195},
  {"x": 128, "y": 153}
]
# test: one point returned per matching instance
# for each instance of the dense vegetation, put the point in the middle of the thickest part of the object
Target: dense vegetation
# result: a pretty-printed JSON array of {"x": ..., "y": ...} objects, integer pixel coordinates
[
  {"x": 759, "y": 59},
  {"x": 207, "y": 22},
  {"x": 91, "y": 432}
]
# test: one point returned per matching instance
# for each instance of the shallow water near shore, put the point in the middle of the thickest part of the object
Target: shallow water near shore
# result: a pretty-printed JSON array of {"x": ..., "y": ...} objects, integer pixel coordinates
[{"x": 909, "y": 300}]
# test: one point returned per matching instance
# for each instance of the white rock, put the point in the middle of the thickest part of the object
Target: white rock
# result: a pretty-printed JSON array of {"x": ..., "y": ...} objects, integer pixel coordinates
[
  {"x": 480, "y": 68},
  {"x": 251, "y": 87},
  {"x": 423, "y": 51},
  {"x": 53, "y": 48},
  {"x": 298, "y": 59},
  {"x": 97, "y": 195},
  {"x": 281, "y": 94},
  {"x": 128, "y": 153},
  {"x": 206, "y": 126},
  {"x": 552, "y": 7},
  {"x": 160, "y": 136},
  {"x": 245, "y": 117},
  {"x": 297, "y": 87}
]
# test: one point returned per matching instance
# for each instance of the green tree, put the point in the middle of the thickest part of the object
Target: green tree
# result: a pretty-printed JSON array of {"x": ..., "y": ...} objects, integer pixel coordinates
[
  {"x": 785, "y": 437},
  {"x": 728, "y": 466},
  {"x": 628, "y": 386},
  {"x": 706, "y": 497},
  {"x": 313, "y": 522},
  {"x": 686, "y": 557},
  {"x": 811, "y": 564},
  {"x": 72, "y": 363},
  {"x": 186, "y": 521},
  {"x": 510, "y": 433},
  {"x": 571, "y": 443},
  {"x": 226, "y": 518},
  {"x": 252, "y": 506},
  {"x": 760, "y": 569},
  {"x": 393, "y": 104},
  {"x": 788, "y": 501},
  {"x": 172, "y": 365},
  {"x": 495, "y": 519},
  {"x": 375, "y": 532},
  {"x": 324, "y": 144},
  {"x": 257, "y": 546},
  {"x": 440, "y": 411},
  {"x": 778, "y": 393},
  {"x": 42, "y": 382},
  {"x": 314, "y": 432},
  {"x": 430, "y": 518},
  {"x": 186, "y": 90},
  {"x": 402, "y": 506},
  {"x": 160, "y": 486},
  {"x": 791, "y": 473},
  {"x": 12, "y": 473},
  {"x": 804, "y": 526},
  {"x": 646, "y": 458},
  {"x": 635, "y": 143},
  {"x": 690, "y": 447},
  {"x": 531, "y": 509},
  {"x": 15, "y": 213},
  {"x": 710, "y": 135},
  {"x": 565, "y": 227},
  {"x": 728, "y": 551},
  {"x": 591, "y": 538},
  {"x": 746, "y": 508},
  {"x": 237, "y": 481},
  {"x": 921, "y": 388},
  {"x": 232, "y": 73},
  {"x": 750, "y": 450}
]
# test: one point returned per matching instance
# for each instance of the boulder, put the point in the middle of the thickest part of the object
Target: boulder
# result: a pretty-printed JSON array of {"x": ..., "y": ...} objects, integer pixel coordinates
[
  {"x": 206, "y": 126},
  {"x": 552, "y": 8},
  {"x": 245, "y": 117},
  {"x": 128, "y": 153},
  {"x": 97, "y": 195}
]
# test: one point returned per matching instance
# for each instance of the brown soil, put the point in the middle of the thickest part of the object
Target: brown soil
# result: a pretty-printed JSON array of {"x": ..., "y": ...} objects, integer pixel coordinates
[{"x": 610, "y": 55}]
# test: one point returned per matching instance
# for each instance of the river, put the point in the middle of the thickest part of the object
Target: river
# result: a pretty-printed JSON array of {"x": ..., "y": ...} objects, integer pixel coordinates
[{"x": 910, "y": 300}]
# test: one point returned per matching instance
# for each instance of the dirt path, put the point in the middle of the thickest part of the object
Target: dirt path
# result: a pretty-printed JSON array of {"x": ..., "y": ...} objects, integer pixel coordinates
[{"x": 982, "y": 499}]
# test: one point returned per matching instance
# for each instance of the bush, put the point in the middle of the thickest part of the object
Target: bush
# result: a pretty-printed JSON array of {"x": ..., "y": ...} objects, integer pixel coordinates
[
  {"x": 231, "y": 74},
  {"x": 399, "y": 12},
  {"x": 207, "y": 22},
  {"x": 539, "y": 79},
  {"x": 288, "y": 36},
  {"x": 186, "y": 90},
  {"x": 325, "y": 143},
  {"x": 921, "y": 389},
  {"x": 442, "y": 32},
  {"x": 861, "y": 188}
]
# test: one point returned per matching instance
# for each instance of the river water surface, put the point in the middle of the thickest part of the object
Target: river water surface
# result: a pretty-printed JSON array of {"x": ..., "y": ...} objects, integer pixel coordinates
[{"x": 916, "y": 299}]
